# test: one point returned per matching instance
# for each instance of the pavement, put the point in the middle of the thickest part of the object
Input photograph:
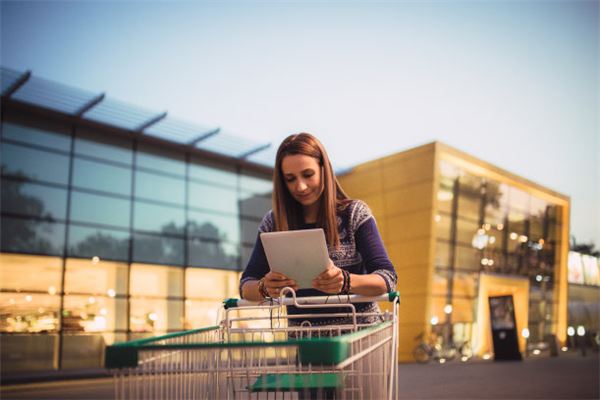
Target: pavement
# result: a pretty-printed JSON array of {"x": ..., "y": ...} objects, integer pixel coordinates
[{"x": 569, "y": 376}]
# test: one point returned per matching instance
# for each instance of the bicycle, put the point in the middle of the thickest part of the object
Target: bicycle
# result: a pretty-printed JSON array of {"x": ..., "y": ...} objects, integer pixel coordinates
[{"x": 432, "y": 348}]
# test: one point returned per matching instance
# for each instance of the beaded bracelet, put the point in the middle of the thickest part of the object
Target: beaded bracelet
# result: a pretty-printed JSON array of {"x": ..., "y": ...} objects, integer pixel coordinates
[
  {"x": 346, "y": 284},
  {"x": 262, "y": 290}
]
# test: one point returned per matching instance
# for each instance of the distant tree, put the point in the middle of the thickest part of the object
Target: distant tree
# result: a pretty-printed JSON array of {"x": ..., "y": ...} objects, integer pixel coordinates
[{"x": 584, "y": 248}]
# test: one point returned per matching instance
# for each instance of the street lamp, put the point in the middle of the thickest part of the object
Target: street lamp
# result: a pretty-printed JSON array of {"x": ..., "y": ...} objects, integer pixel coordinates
[{"x": 525, "y": 334}]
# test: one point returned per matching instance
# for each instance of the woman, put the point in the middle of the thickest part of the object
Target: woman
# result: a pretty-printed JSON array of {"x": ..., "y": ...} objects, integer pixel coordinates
[{"x": 306, "y": 194}]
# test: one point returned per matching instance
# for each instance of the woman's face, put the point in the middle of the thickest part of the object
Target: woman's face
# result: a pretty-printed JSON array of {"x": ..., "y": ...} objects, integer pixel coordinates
[{"x": 302, "y": 176}]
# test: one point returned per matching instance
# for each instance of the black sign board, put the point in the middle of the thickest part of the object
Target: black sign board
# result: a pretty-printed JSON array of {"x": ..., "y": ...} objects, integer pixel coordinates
[{"x": 504, "y": 328}]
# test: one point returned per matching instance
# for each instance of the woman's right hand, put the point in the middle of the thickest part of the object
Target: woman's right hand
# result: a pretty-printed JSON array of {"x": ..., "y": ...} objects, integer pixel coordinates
[{"x": 275, "y": 281}]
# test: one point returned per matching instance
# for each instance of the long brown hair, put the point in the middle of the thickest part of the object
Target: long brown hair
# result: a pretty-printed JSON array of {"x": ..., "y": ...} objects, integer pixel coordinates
[{"x": 287, "y": 211}]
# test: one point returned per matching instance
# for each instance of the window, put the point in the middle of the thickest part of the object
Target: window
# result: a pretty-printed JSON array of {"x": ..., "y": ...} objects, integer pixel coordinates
[
  {"x": 30, "y": 199},
  {"x": 161, "y": 160},
  {"x": 103, "y": 146},
  {"x": 213, "y": 226},
  {"x": 95, "y": 242},
  {"x": 48, "y": 167},
  {"x": 204, "y": 253},
  {"x": 158, "y": 249},
  {"x": 160, "y": 219},
  {"x": 40, "y": 137},
  {"x": 31, "y": 273},
  {"x": 159, "y": 187},
  {"x": 100, "y": 176},
  {"x": 100, "y": 278},
  {"x": 210, "y": 172},
  {"x": 208, "y": 197},
  {"x": 101, "y": 210},
  {"x": 22, "y": 235}
]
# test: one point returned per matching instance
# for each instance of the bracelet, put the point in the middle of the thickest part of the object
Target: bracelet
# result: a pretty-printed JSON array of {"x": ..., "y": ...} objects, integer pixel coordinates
[
  {"x": 262, "y": 290},
  {"x": 346, "y": 284}
]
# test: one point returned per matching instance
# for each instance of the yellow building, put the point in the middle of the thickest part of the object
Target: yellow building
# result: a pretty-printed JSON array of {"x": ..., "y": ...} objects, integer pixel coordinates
[{"x": 459, "y": 230}]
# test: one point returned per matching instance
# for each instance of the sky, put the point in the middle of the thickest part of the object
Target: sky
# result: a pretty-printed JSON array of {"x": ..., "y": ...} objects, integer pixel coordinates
[{"x": 514, "y": 83}]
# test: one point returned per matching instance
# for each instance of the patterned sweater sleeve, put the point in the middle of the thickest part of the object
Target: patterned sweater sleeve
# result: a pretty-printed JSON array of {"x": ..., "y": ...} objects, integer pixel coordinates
[
  {"x": 370, "y": 245},
  {"x": 258, "y": 266}
]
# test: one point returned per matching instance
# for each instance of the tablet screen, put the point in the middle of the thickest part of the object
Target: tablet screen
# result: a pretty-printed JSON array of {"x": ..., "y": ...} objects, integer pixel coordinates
[{"x": 300, "y": 255}]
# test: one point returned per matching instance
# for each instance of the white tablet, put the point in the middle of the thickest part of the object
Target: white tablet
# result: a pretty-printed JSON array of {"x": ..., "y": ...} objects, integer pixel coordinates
[{"x": 300, "y": 255}]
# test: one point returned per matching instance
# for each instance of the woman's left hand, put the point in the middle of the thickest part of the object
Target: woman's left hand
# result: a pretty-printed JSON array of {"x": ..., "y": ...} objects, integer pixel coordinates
[{"x": 329, "y": 281}]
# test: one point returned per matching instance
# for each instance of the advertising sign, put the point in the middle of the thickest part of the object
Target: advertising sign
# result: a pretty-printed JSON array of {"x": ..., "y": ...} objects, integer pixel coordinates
[
  {"x": 591, "y": 275},
  {"x": 575, "y": 268},
  {"x": 504, "y": 328}
]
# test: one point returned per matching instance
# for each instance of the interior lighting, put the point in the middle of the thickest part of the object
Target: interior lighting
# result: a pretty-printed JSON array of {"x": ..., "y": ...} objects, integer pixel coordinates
[
  {"x": 28, "y": 298},
  {"x": 91, "y": 300},
  {"x": 111, "y": 292},
  {"x": 11, "y": 301},
  {"x": 523, "y": 238},
  {"x": 434, "y": 320},
  {"x": 487, "y": 227},
  {"x": 539, "y": 278},
  {"x": 41, "y": 310},
  {"x": 500, "y": 227},
  {"x": 103, "y": 311},
  {"x": 437, "y": 218},
  {"x": 564, "y": 348},
  {"x": 444, "y": 195},
  {"x": 525, "y": 333},
  {"x": 95, "y": 260},
  {"x": 490, "y": 262},
  {"x": 541, "y": 242},
  {"x": 492, "y": 239},
  {"x": 484, "y": 261},
  {"x": 487, "y": 356},
  {"x": 571, "y": 331},
  {"x": 448, "y": 308},
  {"x": 51, "y": 290},
  {"x": 442, "y": 360},
  {"x": 464, "y": 359},
  {"x": 580, "y": 330},
  {"x": 536, "y": 352},
  {"x": 513, "y": 236},
  {"x": 481, "y": 231},
  {"x": 153, "y": 316}
]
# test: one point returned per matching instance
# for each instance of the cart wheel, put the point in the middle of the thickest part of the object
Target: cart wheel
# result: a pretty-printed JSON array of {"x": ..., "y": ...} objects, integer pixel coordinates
[{"x": 421, "y": 354}]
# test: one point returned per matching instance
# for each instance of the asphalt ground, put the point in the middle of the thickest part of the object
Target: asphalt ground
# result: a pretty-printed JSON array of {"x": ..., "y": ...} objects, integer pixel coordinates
[{"x": 569, "y": 376}]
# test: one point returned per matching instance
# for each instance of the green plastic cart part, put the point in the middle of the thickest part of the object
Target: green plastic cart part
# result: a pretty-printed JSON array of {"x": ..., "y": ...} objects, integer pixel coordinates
[
  {"x": 296, "y": 382},
  {"x": 230, "y": 303}
]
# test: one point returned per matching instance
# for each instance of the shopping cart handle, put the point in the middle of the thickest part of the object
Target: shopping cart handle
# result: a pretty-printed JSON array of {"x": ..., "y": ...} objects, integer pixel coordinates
[{"x": 331, "y": 299}]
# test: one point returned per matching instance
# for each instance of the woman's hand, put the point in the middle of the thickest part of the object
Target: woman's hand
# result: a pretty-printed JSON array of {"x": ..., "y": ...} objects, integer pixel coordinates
[
  {"x": 275, "y": 281},
  {"x": 329, "y": 281}
]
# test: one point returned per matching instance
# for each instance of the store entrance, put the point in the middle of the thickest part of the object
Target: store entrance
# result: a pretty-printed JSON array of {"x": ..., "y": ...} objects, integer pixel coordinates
[{"x": 491, "y": 285}]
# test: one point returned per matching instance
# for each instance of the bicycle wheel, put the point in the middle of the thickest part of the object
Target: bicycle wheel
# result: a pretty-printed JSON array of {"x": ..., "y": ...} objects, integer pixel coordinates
[{"x": 421, "y": 353}]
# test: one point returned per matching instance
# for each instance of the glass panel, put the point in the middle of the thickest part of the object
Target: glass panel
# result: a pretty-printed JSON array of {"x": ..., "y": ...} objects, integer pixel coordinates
[
  {"x": 466, "y": 230},
  {"x": 98, "y": 278},
  {"x": 157, "y": 249},
  {"x": 468, "y": 258},
  {"x": 36, "y": 136},
  {"x": 99, "y": 176},
  {"x": 213, "y": 198},
  {"x": 496, "y": 203},
  {"x": 33, "y": 200},
  {"x": 213, "y": 254},
  {"x": 95, "y": 242},
  {"x": 214, "y": 173},
  {"x": 28, "y": 312},
  {"x": 442, "y": 254},
  {"x": 262, "y": 185},
  {"x": 94, "y": 314},
  {"x": 440, "y": 282},
  {"x": 35, "y": 273},
  {"x": 517, "y": 227},
  {"x": 206, "y": 283},
  {"x": 249, "y": 231},
  {"x": 463, "y": 310},
  {"x": 158, "y": 187},
  {"x": 470, "y": 197},
  {"x": 252, "y": 205},
  {"x": 83, "y": 351},
  {"x": 103, "y": 146},
  {"x": 29, "y": 352},
  {"x": 465, "y": 284},
  {"x": 48, "y": 167},
  {"x": 443, "y": 226},
  {"x": 153, "y": 315},
  {"x": 445, "y": 195},
  {"x": 100, "y": 209},
  {"x": 213, "y": 226},
  {"x": 518, "y": 200},
  {"x": 31, "y": 236},
  {"x": 156, "y": 281},
  {"x": 161, "y": 160},
  {"x": 155, "y": 218}
]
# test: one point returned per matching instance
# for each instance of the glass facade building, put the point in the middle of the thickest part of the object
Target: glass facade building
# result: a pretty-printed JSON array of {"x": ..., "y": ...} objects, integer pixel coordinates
[
  {"x": 460, "y": 230},
  {"x": 109, "y": 236}
]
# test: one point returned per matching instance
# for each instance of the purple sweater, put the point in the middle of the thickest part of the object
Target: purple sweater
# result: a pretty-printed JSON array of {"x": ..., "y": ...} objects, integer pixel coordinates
[{"x": 361, "y": 251}]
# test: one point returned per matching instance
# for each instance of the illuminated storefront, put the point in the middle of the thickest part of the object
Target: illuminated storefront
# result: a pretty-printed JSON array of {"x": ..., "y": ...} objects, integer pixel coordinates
[
  {"x": 584, "y": 297},
  {"x": 110, "y": 231},
  {"x": 460, "y": 230}
]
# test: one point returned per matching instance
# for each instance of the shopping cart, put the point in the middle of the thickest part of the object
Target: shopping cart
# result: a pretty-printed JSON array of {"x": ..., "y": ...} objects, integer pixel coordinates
[{"x": 259, "y": 352}]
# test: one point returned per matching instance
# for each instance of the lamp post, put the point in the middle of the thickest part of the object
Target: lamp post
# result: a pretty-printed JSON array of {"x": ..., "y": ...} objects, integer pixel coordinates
[{"x": 525, "y": 334}]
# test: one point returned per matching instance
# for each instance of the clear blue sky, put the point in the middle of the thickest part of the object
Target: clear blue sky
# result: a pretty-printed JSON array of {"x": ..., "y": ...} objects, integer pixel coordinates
[{"x": 514, "y": 83}]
